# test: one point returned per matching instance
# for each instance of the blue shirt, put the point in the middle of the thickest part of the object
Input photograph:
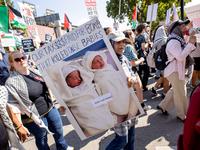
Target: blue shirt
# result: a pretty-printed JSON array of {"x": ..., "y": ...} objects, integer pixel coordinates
[{"x": 130, "y": 53}]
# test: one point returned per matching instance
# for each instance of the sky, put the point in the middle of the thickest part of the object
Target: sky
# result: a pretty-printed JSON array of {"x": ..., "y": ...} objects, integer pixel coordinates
[{"x": 77, "y": 11}]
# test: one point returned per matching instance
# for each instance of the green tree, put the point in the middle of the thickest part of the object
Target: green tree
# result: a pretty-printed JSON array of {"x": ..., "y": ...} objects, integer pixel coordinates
[
  {"x": 8, "y": 2},
  {"x": 128, "y": 6}
]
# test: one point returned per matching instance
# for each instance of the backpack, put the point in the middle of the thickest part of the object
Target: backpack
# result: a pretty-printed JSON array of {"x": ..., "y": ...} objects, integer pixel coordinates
[
  {"x": 150, "y": 58},
  {"x": 160, "y": 56}
]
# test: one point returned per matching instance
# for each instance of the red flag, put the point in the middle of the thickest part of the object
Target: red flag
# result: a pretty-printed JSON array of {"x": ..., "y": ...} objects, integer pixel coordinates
[
  {"x": 66, "y": 22},
  {"x": 135, "y": 17},
  {"x": 11, "y": 16}
]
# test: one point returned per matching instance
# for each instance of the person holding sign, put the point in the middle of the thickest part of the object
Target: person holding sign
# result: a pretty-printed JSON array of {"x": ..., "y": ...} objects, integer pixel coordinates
[
  {"x": 79, "y": 93},
  {"x": 178, "y": 61},
  {"x": 109, "y": 81},
  {"x": 29, "y": 97},
  {"x": 124, "y": 132}
]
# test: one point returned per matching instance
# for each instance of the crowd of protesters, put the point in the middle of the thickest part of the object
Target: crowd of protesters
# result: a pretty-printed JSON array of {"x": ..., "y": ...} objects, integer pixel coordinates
[{"x": 26, "y": 105}]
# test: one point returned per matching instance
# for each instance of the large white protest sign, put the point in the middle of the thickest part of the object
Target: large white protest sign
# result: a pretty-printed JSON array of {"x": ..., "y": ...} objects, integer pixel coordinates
[
  {"x": 193, "y": 13},
  {"x": 29, "y": 19},
  {"x": 95, "y": 99},
  {"x": 149, "y": 11}
]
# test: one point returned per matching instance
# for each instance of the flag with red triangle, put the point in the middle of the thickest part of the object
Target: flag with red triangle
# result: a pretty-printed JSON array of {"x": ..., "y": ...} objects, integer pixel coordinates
[
  {"x": 66, "y": 22},
  {"x": 135, "y": 17}
]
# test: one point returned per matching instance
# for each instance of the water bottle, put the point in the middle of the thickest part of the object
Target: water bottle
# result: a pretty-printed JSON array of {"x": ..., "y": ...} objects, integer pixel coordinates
[
  {"x": 190, "y": 31},
  {"x": 159, "y": 59}
]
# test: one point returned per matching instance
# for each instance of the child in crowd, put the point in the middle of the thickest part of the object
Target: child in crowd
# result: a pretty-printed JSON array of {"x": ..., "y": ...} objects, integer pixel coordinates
[
  {"x": 110, "y": 81},
  {"x": 80, "y": 92}
]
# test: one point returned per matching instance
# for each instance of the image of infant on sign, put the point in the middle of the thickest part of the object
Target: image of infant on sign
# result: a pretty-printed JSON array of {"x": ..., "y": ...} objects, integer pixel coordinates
[
  {"x": 79, "y": 91},
  {"x": 111, "y": 81}
]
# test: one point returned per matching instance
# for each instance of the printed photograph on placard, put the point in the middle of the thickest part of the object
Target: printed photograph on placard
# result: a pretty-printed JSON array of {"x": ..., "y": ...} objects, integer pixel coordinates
[{"x": 88, "y": 81}]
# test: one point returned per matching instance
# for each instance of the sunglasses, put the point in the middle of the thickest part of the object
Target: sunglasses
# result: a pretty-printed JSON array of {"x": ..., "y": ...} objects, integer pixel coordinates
[{"x": 19, "y": 59}]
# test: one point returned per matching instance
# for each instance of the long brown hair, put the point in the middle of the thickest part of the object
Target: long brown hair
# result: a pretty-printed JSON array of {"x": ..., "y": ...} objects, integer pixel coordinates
[
  {"x": 10, "y": 59},
  {"x": 128, "y": 34}
]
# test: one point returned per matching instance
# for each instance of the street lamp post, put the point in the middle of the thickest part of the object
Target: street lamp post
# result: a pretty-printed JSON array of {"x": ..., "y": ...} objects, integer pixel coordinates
[{"x": 182, "y": 9}]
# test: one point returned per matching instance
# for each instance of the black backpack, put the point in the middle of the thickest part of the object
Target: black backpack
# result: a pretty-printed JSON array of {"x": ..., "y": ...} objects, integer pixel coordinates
[{"x": 160, "y": 56}]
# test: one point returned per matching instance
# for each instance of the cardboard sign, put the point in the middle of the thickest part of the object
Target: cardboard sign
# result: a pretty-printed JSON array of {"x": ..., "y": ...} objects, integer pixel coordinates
[
  {"x": 89, "y": 106},
  {"x": 8, "y": 40},
  {"x": 115, "y": 25},
  {"x": 155, "y": 7},
  {"x": 91, "y": 8},
  {"x": 167, "y": 22},
  {"x": 27, "y": 44},
  {"x": 29, "y": 19},
  {"x": 48, "y": 38}
]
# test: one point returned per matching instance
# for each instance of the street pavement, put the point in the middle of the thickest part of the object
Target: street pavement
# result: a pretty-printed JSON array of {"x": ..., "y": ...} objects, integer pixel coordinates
[{"x": 154, "y": 131}]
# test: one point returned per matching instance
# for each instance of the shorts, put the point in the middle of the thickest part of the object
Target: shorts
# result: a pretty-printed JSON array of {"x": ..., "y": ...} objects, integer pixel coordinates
[{"x": 197, "y": 63}]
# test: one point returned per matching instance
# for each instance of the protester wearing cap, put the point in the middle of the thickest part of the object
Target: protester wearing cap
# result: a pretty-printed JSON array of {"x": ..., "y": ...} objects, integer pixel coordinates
[
  {"x": 177, "y": 52},
  {"x": 125, "y": 132}
]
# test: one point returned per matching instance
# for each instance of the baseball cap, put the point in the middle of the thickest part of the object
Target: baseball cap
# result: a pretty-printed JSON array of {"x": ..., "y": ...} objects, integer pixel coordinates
[
  {"x": 179, "y": 22},
  {"x": 117, "y": 36}
]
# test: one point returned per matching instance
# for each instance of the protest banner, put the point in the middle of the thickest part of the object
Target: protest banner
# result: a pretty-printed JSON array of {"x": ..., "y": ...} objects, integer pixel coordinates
[
  {"x": 8, "y": 40},
  {"x": 193, "y": 13},
  {"x": 91, "y": 8},
  {"x": 27, "y": 44},
  {"x": 152, "y": 9},
  {"x": 29, "y": 19},
  {"x": 86, "y": 102},
  {"x": 48, "y": 38},
  {"x": 151, "y": 16}
]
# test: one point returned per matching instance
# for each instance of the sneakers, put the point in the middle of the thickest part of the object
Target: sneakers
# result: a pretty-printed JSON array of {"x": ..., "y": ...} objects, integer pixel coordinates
[
  {"x": 154, "y": 91},
  {"x": 70, "y": 148},
  {"x": 146, "y": 107}
]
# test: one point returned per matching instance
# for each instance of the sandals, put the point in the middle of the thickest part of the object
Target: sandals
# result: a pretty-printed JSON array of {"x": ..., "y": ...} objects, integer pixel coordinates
[
  {"x": 164, "y": 112},
  {"x": 183, "y": 120}
]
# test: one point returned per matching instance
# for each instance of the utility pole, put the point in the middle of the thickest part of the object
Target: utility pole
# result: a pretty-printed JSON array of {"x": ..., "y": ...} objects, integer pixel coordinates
[{"x": 182, "y": 10}]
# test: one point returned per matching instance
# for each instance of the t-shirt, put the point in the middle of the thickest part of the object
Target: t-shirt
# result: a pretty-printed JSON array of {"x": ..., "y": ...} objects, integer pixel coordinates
[
  {"x": 139, "y": 39},
  {"x": 4, "y": 135},
  {"x": 130, "y": 54},
  {"x": 38, "y": 93},
  {"x": 4, "y": 69}
]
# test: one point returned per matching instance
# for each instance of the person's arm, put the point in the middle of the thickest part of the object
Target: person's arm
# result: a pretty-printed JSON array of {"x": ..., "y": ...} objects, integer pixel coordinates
[
  {"x": 21, "y": 131},
  {"x": 174, "y": 47},
  {"x": 136, "y": 62}
]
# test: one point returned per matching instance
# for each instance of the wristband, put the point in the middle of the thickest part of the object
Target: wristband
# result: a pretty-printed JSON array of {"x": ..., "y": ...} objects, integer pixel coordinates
[{"x": 18, "y": 127}]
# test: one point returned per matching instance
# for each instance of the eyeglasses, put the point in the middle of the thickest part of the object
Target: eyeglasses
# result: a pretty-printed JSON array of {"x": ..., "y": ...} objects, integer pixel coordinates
[{"x": 19, "y": 59}]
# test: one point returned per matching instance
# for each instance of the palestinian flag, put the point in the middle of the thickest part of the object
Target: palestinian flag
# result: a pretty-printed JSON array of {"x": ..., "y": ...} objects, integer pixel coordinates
[
  {"x": 135, "y": 17},
  {"x": 66, "y": 23},
  {"x": 15, "y": 18},
  {"x": 4, "y": 19}
]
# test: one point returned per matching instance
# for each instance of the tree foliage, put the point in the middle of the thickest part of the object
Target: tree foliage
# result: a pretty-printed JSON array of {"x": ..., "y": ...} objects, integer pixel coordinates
[
  {"x": 128, "y": 6},
  {"x": 8, "y": 2}
]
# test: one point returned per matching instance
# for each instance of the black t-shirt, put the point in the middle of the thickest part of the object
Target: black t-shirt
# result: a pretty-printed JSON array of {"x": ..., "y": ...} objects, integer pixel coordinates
[
  {"x": 4, "y": 136},
  {"x": 38, "y": 94},
  {"x": 139, "y": 39}
]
